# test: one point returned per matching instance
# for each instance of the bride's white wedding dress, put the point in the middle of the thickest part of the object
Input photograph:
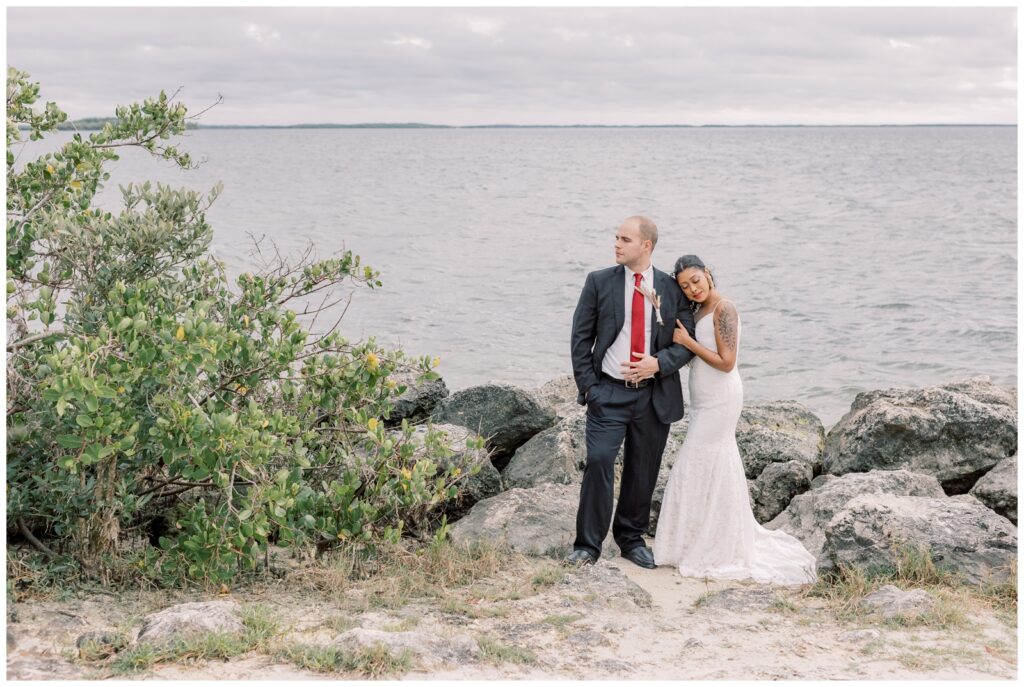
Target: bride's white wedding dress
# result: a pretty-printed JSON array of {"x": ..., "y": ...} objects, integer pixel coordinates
[{"x": 706, "y": 527}]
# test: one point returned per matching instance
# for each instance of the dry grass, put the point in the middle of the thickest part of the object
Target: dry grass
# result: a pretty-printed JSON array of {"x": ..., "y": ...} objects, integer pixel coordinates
[{"x": 914, "y": 568}]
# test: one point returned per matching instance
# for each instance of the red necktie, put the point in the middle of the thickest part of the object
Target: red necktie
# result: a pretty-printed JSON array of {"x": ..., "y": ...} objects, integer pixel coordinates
[{"x": 637, "y": 338}]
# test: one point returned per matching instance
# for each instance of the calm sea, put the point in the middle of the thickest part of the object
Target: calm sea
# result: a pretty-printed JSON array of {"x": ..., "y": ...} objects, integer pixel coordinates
[{"x": 859, "y": 258}]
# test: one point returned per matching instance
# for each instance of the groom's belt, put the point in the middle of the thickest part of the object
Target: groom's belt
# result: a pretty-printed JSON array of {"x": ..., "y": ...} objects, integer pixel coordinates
[{"x": 628, "y": 385}]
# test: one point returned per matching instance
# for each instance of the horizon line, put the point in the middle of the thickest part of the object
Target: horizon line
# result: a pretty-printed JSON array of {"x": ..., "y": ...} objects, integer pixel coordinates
[{"x": 96, "y": 122}]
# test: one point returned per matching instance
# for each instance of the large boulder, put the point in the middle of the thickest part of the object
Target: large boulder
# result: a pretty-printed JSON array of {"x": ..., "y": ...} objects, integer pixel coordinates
[
  {"x": 556, "y": 456},
  {"x": 775, "y": 487},
  {"x": 956, "y": 432},
  {"x": 779, "y": 432},
  {"x": 540, "y": 521},
  {"x": 963, "y": 537},
  {"x": 559, "y": 395},
  {"x": 419, "y": 399},
  {"x": 191, "y": 619},
  {"x": 484, "y": 484},
  {"x": 997, "y": 489},
  {"x": 506, "y": 415},
  {"x": 808, "y": 513}
]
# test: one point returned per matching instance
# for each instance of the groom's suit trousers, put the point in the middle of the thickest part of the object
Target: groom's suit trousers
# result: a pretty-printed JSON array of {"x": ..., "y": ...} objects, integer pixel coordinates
[{"x": 616, "y": 414}]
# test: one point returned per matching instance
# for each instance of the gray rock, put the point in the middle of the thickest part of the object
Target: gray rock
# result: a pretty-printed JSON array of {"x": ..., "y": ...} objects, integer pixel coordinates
[
  {"x": 859, "y": 635},
  {"x": 506, "y": 415},
  {"x": 418, "y": 400},
  {"x": 538, "y": 521},
  {"x": 559, "y": 395},
  {"x": 607, "y": 585},
  {"x": 739, "y": 599},
  {"x": 775, "y": 487},
  {"x": 587, "y": 638},
  {"x": 779, "y": 432},
  {"x": 473, "y": 488},
  {"x": 194, "y": 618},
  {"x": 693, "y": 643},
  {"x": 891, "y": 601},
  {"x": 807, "y": 514},
  {"x": 963, "y": 537},
  {"x": 556, "y": 455},
  {"x": 11, "y": 641},
  {"x": 956, "y": 432},
  {"x": 432, "y": 647},
  {"x": 997, "y": 489}
]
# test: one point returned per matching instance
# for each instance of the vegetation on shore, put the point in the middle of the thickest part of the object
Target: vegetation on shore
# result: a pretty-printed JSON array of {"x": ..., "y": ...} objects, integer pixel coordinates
[{"x": 165, "y": 424}]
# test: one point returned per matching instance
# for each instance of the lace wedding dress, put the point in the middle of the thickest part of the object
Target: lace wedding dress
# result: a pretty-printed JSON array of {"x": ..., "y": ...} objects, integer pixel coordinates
[{"x": 706, "y": 527}]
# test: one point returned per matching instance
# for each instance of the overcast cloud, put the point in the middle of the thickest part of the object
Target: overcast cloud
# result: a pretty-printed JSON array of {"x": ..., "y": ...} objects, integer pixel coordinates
[{"x": 531, "y": 66}]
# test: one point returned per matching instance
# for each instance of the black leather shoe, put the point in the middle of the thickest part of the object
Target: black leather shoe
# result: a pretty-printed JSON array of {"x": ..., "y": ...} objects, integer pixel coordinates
[
  {"x": 579, "y": 558},
  {"x": 641, "y": 555}
]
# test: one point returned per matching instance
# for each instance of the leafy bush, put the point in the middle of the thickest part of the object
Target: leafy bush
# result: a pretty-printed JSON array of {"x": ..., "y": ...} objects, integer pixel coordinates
[{"x": 142, "y": 384}]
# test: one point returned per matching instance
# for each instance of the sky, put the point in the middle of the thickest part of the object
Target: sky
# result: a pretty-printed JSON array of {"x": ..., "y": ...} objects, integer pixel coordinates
[{"x": 465, "y": 66}]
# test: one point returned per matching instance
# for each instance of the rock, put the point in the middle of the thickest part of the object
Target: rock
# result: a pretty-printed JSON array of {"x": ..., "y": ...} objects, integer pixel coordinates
[
  {"x": 807, "y": 514},
  {"x": 540, "y": 521},
  {"x": 94, "y": 645},
  {"x": 587, "y": 639},
  {"x": 891, "y": 601},
  {"x": 419, "y": 399},
  {"x": 555, "y": 456},
  {"x": 456, "y": 649},
  {"x": 693, "y": 643},
  {"x": 775, "y": 487},
  {"x": 11, "y": 641},
  {"x": 997, "y": 489},
  {"x": 506, "y": 415},
  {"x": 859, "y": 635},
  {"x": 779, "y": 432},
  {"x": 559, "y": 396},
  {"x": 607, "y": 585},
  {"x": 956, "y": 432},
  {"x": 965, "y": 538},
  {"x": 473, "y": 488},
  {"x": 198, "y": 617},
  {"x": 739, "y": 599}
]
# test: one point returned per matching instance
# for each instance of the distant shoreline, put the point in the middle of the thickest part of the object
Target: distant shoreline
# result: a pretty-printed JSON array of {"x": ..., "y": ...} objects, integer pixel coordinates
[{"x": 92, "y": 124}]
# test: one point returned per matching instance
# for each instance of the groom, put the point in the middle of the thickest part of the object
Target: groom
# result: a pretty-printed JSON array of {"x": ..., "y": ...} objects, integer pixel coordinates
[{"x": 627, "y": 372}]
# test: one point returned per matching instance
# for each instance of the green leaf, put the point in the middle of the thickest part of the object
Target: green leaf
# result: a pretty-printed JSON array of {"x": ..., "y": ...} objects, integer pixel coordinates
[
  {"x": 84, "y": 420},
  {"x": 70, "y": 441}
]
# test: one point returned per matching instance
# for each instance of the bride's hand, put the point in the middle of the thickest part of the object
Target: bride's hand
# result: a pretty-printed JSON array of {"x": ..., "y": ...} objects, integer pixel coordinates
[{"x": 681, "y": 336}]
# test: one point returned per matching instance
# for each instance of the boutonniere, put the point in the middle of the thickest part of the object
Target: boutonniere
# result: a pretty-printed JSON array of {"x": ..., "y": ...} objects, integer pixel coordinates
[{"x": 652, "y": 295}]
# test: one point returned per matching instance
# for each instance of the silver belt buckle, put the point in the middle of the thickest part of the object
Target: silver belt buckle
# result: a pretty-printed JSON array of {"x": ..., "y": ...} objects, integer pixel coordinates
[{"x": 632, "y": 385}]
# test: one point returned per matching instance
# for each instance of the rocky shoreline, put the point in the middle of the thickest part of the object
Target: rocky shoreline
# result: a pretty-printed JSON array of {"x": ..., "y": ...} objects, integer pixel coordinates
[{"x": 933, "y": 469}]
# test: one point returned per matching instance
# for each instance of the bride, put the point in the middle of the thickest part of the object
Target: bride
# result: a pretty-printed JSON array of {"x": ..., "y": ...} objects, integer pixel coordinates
[{"x": 706, "y": 527}]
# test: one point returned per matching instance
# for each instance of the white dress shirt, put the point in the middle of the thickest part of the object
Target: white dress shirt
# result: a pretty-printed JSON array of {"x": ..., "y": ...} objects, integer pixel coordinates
[{"x": 619, "y": 352}]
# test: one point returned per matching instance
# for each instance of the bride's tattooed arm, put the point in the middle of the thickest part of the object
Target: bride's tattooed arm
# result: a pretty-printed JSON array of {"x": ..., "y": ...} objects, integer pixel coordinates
[{"x": 726, "y": 324}]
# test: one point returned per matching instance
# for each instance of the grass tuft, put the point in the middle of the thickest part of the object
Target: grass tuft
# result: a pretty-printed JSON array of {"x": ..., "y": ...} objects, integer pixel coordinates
[
  {"x": 372, "y": 662},
  {"x": 495, "y": 652}
]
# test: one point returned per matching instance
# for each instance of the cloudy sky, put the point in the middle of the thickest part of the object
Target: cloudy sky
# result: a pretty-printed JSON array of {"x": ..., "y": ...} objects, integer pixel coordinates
[{"x": 530, "y": 66}]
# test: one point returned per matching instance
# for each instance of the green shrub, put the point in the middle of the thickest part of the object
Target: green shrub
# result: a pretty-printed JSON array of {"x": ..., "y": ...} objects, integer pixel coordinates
[{"x": 141, "y": 382}]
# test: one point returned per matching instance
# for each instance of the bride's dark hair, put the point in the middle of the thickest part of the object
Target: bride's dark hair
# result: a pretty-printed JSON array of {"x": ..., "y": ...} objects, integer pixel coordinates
[{"x": 686, "y": 262}]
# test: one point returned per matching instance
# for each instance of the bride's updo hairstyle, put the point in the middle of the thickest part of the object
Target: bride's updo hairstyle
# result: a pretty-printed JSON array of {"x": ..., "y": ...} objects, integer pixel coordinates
[{"x": 686, "y": 262}]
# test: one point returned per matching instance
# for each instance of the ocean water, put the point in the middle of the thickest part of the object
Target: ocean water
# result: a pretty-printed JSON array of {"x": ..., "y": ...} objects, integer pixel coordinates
[{"x": 859, "y": 258}]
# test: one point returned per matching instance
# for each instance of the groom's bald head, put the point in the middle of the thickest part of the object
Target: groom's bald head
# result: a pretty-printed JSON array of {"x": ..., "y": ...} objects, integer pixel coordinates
[{"x": 647, "y": 228}]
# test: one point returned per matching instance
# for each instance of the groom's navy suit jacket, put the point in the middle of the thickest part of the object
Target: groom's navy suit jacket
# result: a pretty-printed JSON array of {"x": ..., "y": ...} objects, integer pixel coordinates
[{"x": 600, "y": 316}]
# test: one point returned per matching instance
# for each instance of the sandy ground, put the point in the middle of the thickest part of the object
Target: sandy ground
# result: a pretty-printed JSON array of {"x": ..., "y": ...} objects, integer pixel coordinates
[{"x": 576, "y": 629}]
